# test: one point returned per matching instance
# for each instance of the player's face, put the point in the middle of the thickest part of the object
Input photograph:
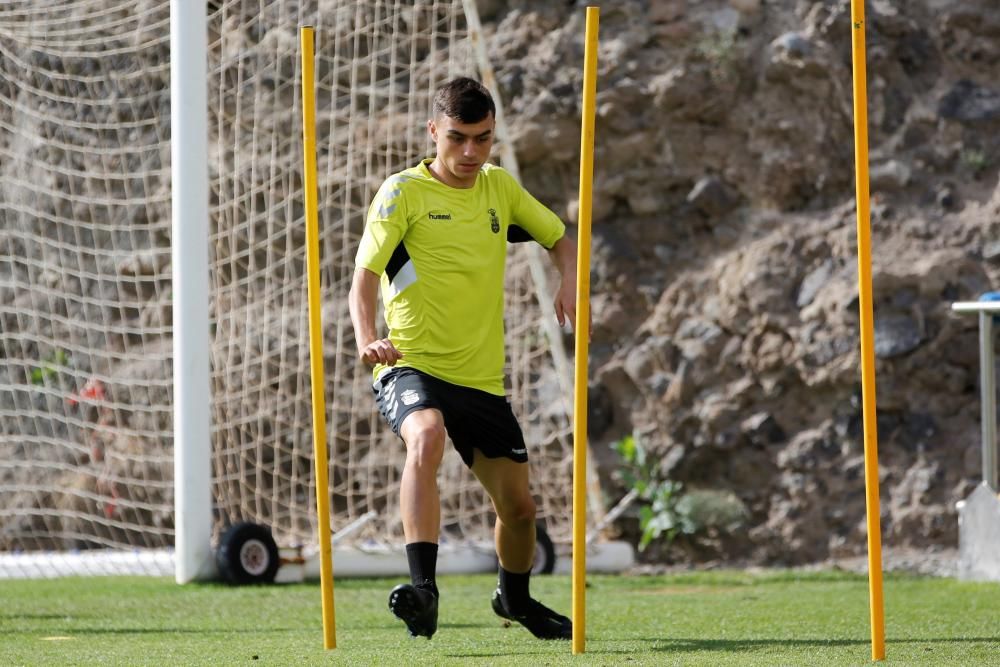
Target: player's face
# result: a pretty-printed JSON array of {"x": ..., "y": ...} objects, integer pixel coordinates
[{"x": 462, "y": 148}]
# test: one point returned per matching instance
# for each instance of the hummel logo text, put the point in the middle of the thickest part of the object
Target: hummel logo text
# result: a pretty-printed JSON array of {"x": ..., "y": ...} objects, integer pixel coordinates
[{"x": 439, "y": 216}]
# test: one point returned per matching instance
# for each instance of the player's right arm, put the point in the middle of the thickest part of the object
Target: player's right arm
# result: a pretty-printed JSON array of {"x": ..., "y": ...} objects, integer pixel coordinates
[
  {"x": 385, "y": 227},
  {"x": 362, "y": 300}
]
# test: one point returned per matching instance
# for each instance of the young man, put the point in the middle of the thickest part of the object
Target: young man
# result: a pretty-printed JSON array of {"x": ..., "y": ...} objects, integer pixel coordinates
[{"x": 436, "y": 240}]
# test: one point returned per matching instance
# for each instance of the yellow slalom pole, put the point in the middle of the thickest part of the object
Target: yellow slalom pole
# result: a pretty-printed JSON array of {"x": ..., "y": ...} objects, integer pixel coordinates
[
  {"x": 583, "y": 336},
  {"x": 306, "y": 38},
  {"x": 867, "y": 332}
]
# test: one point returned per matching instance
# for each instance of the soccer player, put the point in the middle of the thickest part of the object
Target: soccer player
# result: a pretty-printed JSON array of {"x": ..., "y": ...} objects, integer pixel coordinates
[{"x": 436, "y": 241}]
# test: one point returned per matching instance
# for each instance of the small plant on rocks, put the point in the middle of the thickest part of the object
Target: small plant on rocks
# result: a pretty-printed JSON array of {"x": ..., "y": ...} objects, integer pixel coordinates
[{"x": 666, "y": 510}]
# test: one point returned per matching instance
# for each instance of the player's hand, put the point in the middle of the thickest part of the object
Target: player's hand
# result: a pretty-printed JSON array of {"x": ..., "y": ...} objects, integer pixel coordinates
[
  {"x": 565, "y": 305},
  {"x": 381, "y": 351}
]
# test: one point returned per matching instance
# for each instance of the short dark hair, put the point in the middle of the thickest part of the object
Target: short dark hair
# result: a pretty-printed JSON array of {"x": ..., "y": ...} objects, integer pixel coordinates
[{"x": 464, "y": 99}]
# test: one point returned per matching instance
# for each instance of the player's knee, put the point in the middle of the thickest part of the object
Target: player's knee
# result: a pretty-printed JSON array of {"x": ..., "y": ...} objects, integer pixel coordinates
[
  {"x": 425, "y": 446},
  {"x": 517, "y": 512}
]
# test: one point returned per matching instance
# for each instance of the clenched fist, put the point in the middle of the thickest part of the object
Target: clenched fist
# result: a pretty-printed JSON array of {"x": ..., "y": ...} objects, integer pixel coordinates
[{"x": 381, "y": 351}]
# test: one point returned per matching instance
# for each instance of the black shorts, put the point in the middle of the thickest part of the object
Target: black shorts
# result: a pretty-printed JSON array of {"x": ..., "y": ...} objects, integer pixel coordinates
[{"x": 474, "y": 419}]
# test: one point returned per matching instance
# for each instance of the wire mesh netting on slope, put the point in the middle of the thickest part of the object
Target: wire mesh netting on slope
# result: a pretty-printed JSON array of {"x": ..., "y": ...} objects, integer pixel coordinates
[{"x": 86, "y": 434}]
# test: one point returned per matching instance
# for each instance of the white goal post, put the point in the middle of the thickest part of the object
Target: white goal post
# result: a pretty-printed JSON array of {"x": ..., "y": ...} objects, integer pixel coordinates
[
  {"x": 154, "y": 372},
  {"x": 190, "y": 274}
]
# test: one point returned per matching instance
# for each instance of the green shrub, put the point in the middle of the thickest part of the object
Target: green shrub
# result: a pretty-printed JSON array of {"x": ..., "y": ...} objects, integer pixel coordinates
[{"x": 665, "y": 510}]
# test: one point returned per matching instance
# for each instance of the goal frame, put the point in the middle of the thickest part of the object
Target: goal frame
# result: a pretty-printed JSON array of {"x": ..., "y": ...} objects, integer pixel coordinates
[{"x": 190, "y": 222}]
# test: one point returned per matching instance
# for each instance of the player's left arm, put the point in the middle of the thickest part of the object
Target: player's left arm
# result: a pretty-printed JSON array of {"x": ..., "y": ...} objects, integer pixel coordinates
[{"x": 533, "y": 221}]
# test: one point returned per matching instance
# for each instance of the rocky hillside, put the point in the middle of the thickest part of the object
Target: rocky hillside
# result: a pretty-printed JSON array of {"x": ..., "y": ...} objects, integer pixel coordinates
[{"x": 724, "y": 277}]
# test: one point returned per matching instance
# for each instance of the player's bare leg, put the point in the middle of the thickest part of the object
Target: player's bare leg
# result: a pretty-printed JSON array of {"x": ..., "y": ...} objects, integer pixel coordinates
[
  {"x": 507, "y": 483},
  {"x": 419, "y": 502},
  {"x": 416, "y": 603}
]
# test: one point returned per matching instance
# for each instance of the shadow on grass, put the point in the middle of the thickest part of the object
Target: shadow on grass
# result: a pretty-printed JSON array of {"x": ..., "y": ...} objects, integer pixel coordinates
[
  {"x": 164, "y": 631},
  {"x": 399, "y": 625},
  {"x": 729, "y": 645}
]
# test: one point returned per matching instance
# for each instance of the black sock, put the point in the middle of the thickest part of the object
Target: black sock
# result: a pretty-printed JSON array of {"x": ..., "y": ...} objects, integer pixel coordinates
[
  {"x": 422, "y": 557},
  {"x": 514, "y": 589}
]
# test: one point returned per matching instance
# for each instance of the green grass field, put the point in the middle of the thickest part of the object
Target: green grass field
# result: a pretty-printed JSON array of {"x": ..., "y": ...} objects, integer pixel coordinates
[{"x": 715, "y": 618}]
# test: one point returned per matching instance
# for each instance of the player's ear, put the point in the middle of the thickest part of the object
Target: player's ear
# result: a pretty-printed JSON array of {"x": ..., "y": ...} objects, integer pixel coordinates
[{"x": 432, "y": 130}]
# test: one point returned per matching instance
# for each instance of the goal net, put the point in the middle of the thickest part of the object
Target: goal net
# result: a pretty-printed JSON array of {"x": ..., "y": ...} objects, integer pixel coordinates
[{"x": 86, "y": 421}]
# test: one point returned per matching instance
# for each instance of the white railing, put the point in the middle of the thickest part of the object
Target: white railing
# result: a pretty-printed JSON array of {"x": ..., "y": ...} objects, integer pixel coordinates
[{"x": 987, "y": 309}]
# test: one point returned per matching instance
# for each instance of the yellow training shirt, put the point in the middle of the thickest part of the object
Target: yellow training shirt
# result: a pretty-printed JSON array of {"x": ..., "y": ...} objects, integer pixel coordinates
[{"x": 441, "y": 252}]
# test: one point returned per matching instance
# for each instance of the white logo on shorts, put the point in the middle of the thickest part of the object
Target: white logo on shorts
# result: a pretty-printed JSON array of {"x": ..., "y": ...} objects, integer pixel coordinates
[{"x": 409, "y": 397}]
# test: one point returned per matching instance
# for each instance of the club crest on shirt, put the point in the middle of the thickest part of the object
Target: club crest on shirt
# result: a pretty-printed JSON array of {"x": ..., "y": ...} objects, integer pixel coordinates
[
  {"x": 409, "y": 397},
  {"x": 494, "y": 221}
]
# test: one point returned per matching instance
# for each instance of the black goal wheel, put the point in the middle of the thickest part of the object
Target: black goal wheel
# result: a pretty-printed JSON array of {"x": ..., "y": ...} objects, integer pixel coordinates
[
  {"x": 545, "y": 553},
  {"x": 247, "y": 554}
]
